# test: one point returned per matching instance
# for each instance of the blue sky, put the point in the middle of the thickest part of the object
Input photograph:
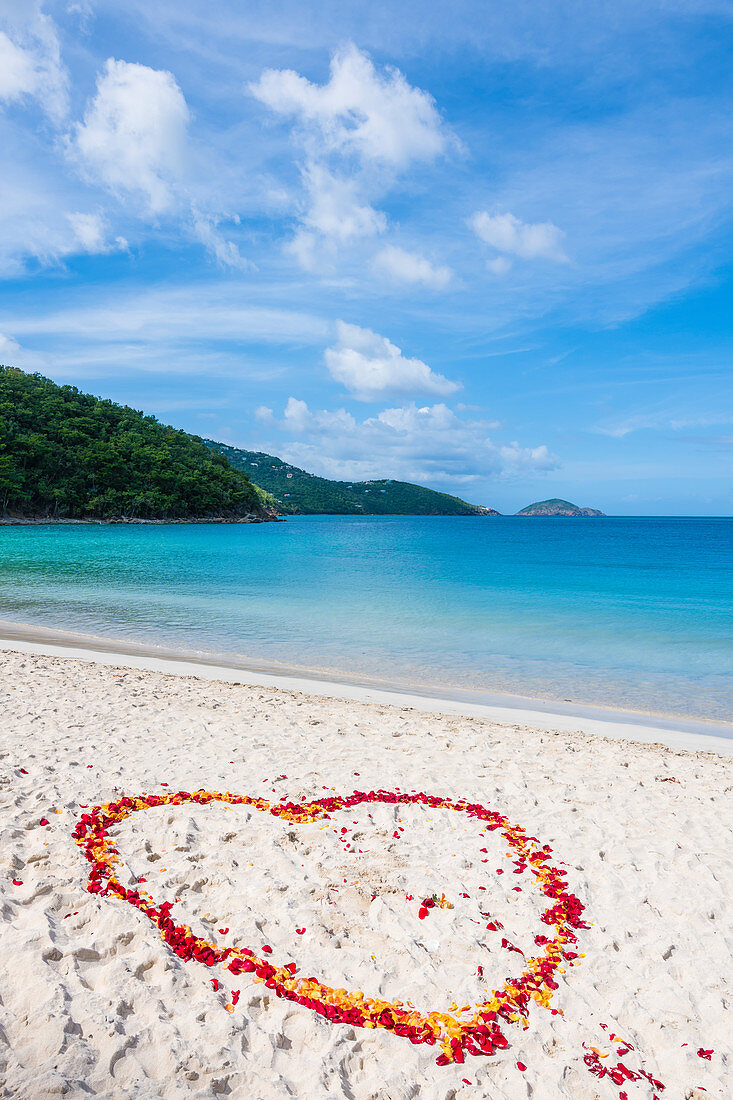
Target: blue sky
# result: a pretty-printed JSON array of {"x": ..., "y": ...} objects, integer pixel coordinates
[{"x": 482, "y": 246}]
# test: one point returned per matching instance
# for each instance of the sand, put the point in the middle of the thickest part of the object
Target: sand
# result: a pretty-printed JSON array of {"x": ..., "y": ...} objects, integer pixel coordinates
[{"x": 93, "y": 1002}]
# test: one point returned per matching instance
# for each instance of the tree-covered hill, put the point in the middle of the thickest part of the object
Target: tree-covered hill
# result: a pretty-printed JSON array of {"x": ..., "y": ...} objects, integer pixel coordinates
[
  {"x": 299, "y": 492},
  {"x": 68, "y": 455},
  {"x": 557, "y": 507}
]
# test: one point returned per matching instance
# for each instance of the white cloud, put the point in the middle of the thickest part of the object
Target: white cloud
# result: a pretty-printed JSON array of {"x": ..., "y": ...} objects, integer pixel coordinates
[
  {"x": 39, "y": 219},
  {"x": 91, "y": 231},
  {"x": 408, "y": 267},
  {"x": 30, "y": 60},
  {"x": 297, "y": 416},
  {"x": 529, "y": 241},
  {"x": 204, "y": 328},
  {"x": 499, "y": 265},
  {"x": 335, "y": 209},
  {"x": 377, "y": 116},
  {"x": 335, "y": 215},
  {"x": 81, "y": 8},
  {"x": 356, "y": 131},
  {"x": 369, "y": 365},
  {"x": 428, "y": 444},
  {"x": 9, "y": 350},
  {"x": 305, "y": 248},
  {"x": 133, "y": 140},
  {"x": 664, "y": 419},
  {"x": 18, "y": 74},
  {"x": 133, "y": 135},
  {"x": 225, "y": 252}
]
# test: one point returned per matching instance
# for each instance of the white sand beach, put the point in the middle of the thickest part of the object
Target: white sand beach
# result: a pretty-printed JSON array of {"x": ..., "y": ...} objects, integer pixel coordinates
[{"x": 93, "y": 1002}]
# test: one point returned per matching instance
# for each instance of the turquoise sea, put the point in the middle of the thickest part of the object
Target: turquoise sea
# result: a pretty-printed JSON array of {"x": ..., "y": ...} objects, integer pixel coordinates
[{"x": 636, "y": 613}]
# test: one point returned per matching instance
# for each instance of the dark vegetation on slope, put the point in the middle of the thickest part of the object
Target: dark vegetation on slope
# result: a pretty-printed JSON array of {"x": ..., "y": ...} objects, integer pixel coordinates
[
  {"x": 298, "y": 492},
  {"x": 69, "y": 455}
]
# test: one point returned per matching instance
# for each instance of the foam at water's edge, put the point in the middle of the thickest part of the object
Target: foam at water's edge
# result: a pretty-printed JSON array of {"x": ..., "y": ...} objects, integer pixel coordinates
[{"x": 676, "y": 734}]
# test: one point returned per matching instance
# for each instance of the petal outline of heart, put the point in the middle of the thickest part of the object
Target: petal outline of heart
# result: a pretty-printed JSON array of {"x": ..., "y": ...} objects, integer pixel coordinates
[{"x": 481, "y": 1034}]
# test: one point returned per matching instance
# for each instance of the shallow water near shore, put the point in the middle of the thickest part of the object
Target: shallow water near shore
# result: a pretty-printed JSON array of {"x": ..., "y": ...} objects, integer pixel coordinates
[{"x": 632, "y": 613}]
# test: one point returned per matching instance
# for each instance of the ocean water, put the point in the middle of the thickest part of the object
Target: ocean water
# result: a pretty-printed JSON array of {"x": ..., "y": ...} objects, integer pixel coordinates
[{"x": 635, "y": 613}]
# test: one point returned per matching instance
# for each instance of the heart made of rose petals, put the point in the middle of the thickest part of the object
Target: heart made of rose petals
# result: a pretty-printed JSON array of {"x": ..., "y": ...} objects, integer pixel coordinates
[{"x": 479, "y": 1033}]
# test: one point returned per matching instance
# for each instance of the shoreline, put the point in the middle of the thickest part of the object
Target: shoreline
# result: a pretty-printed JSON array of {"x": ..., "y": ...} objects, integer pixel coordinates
[
  {"x": 47, "y": 521},
  {"x": 692, "y": 735}
]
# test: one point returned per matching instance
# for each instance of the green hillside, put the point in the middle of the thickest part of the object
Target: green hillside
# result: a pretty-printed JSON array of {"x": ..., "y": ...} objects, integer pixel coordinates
[
  {"x": 298, "y": 492},
  {"x": 68, "y": 455}
]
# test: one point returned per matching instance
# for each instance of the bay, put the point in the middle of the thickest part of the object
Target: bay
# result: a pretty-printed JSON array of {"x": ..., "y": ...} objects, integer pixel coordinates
[{"x": 627, "y": 612}]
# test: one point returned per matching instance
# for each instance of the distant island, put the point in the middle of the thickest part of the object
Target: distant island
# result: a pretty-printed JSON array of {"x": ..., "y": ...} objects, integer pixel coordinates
[
  {"x": 297, "y": 492},
  {"x": 66, "y": 456},
  {"x": 557, "y": 507}
]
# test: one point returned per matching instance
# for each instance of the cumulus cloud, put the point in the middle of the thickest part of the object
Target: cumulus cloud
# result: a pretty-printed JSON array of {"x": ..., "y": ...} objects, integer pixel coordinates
[
  {"x": 297, "y": 416},
  {"x": 376, "y": 116},
  {"x": 409, "y": 267},
  {"x": 133, "y": 141},
  {"x": 356, "y": 131},
  {"x": 411, "y": 442},
  {"x": 133, "y": 135},
  {"x": 512, "y": 237},
  {"x": 369, "y": 365}
]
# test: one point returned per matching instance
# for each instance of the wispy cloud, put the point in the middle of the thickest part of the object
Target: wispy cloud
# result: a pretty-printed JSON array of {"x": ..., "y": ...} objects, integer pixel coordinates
[
  {"x": 661, "y": 420},
  {"x": 30, "y": 60},
  {"x": 93, "y": 234},
  {"x": 409, "y": 267},
  {"x": 202, "y": 328}
]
